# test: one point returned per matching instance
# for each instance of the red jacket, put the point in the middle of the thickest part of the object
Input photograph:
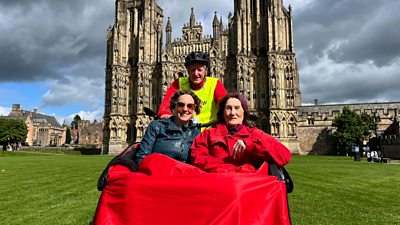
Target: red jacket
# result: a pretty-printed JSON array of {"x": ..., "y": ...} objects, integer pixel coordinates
[
  {"x": 220, "y": 92},
  {"x": 212, "y": 150}
]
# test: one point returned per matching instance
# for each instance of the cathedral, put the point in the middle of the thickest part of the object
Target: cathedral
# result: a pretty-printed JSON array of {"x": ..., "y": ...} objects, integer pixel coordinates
[{"x": 252, "y": 54}]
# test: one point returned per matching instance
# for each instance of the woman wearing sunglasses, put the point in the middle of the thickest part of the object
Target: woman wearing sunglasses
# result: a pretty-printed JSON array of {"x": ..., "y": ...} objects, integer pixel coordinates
[{"x": 172, "y": 136}]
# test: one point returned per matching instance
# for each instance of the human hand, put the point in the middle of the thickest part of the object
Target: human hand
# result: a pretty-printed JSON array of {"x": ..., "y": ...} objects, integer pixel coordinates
[
  {"x": 165, "y": 116},
  {"x": 238, "y": 150}
]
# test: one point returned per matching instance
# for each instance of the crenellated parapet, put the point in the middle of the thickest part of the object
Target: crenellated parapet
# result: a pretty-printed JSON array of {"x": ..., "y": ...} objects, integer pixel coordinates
[{"x": 323, "y": 115}]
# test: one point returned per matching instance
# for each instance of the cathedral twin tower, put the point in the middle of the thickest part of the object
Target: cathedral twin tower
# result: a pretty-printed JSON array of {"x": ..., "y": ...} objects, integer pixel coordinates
[{"x": 253, "y": 55}]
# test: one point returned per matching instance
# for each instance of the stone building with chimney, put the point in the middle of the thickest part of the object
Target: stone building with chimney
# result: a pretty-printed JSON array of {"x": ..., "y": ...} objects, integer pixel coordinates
[
  {"x": 43, "y": 130},
  {"x": 87, "y": 133}
]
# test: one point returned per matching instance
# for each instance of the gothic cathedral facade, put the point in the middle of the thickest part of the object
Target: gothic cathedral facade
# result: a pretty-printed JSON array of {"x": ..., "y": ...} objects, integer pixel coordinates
[{"x": 253, "y": 54}]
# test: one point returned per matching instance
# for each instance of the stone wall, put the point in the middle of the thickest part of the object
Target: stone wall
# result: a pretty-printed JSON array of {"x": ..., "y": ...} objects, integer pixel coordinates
[
  {"x": 315, "y": 123},
  {"x": 316, "y": 140},
  {"x": 317, "y": 115},
  {"x": 391, "y": 146}
]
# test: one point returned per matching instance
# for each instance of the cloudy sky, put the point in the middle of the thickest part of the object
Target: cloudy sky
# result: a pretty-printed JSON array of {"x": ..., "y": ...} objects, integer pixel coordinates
[{"x": 52, "y": 52}]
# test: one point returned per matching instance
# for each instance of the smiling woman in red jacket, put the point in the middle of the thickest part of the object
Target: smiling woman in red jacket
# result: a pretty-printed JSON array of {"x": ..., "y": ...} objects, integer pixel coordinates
[{"x": 233, "y": 146}]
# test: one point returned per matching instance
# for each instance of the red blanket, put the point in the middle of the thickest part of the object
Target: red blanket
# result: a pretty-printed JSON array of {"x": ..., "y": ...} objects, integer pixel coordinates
[{"x": 169, "y": 192}]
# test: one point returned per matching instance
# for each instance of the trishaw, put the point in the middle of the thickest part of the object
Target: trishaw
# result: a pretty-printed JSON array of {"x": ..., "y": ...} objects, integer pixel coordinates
[{"x": 163, "y": 191}]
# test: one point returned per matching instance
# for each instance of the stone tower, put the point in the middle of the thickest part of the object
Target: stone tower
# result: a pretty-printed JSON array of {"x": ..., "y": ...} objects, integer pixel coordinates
[
  {"x": 133, "y": 69},
  {"x": 261, "y": 65},
  {"x": 253, "y": 55}
]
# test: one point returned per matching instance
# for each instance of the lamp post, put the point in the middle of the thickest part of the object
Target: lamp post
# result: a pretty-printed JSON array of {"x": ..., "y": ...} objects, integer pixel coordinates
[{"x": 377, "y": 119}]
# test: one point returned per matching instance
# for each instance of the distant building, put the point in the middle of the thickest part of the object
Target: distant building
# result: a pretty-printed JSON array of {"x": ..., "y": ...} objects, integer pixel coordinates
[
  {"x": 88, "y": 133},
  {"x": 314, "y": 123},
  {"x": 43, "y": 130}
]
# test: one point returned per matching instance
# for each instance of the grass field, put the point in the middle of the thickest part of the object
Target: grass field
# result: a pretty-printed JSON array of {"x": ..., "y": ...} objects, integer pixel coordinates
[
  {"x": 40, "y": 188},
  {"x": 337, "y": 190}
]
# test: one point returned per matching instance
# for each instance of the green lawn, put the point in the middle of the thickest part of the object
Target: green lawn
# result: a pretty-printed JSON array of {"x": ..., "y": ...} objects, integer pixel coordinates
[
  {"x": 49, "y": 189},
  {"x": 337, "y": 190},
  {"x": 61, "y": 189}
]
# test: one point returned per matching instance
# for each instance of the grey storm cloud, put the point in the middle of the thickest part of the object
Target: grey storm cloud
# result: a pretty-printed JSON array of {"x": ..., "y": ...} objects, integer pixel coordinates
[
  {"x": 347, "y": 50},
  {"x": 349, "y": 31},
  {"x": 377, "y": 40},
  {"x": 45, "y": 38}
]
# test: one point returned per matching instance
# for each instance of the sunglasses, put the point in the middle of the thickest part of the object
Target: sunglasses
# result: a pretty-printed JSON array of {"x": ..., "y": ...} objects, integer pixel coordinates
[{"x": 181, "y": 105}]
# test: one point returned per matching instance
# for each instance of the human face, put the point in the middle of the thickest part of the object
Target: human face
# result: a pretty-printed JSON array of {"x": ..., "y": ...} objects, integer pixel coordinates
[
  {"x": 184, "y": 109},
  {"x": 233, "y": 112},
  {"x": 197, "y": 72}
]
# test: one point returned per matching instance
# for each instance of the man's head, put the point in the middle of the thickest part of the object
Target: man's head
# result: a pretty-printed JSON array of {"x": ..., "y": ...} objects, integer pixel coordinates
[{"x": 197, "y": 64}]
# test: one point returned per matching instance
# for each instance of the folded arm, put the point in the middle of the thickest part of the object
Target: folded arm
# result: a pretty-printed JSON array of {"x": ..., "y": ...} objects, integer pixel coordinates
[{"x": 201, "y": 158}]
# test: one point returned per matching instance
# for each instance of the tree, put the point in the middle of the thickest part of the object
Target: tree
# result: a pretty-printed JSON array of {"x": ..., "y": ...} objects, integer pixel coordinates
[
  {"x": 12, "y": 131},
  {"x": 68, "y": 136},
  {"x": 352, "y": 128},
  {"x": 75, "y": 126},
  {"x": 75, "y": 123},
  {"x": 370, "y": 123}
]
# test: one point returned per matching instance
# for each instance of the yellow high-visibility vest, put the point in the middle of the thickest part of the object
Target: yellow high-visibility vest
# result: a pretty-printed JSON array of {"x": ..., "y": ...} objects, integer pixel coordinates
[{"x": 209, "y": 107}]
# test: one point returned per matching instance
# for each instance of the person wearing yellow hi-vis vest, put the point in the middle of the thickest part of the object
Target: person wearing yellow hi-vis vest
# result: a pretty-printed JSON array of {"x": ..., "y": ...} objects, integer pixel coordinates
[{"x": 209, "y": 89}]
